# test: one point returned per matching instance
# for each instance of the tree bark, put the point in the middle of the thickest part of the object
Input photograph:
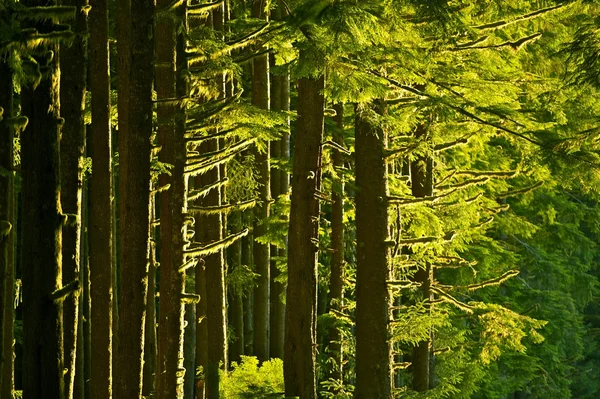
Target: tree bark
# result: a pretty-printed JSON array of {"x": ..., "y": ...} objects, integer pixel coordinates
[
  {"x": 422, "y": 186},
  {"x": 135, "y": 34},
  {"x": 172, "y": 206},
  {"x": 100, "y": 238},
  {"x": 260, "y": 98},
  {"x": 42, "y": 218},
  {"x": 73, "y": 87},
  {"x": 8, "y": 230},
  {"x": 336, "y": 282},
  {"x": 279, "y": 185},
  {"x": 301, "y": 302},
  {"x": 150, "y": 344},
  {"x": 236, "y": 307},
  {"x": 373, "y": 351}
]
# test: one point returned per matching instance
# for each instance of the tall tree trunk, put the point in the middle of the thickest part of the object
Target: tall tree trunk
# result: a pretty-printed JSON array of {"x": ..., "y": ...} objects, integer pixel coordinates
[
  {"x": 7, "y": 230},
  {"x": 247, "y": 299},
  {"x": 260, "y": 98},
  {"x": 421, "y": 171},
  {"x": 236, "y": 306},
  {"x": 189, "y": 351},
  {"x": 202, "y": 323},
  {"x": 172, "y": 206},
  {"x": 336, "y": 282},
  {"x": 279, "y": 185},
  {"x": 135, "y": 34},
  {"x": 42, "y": 219},
  {"x": 85, "y": 304},
  {"x": 301, "y": 300},
  {"x": 72, "y": 86},
  {"x": 150, "y": 344},
  {"x": 373, "y": 351},
  {"x": 100, "y": 238}
]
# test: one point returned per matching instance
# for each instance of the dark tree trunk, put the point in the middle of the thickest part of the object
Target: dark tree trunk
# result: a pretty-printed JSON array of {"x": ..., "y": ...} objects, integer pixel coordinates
[
  {"x": 279, "y": 185},
  {"x": 150, "y": 344},
  {"x": 42, "y": 218},
  {"x": 421, "y": 171},
  {"x": 301, "y": 302},
  {"x": 72, "y": 86},
  {"x": 189, "y": 350},
  {"x": 336, "y": 283},
  {"x": 100, "y": 238},
  {"x": 202, "y": 323},
  {"x": 83, "y": 390},
  {"x": 7, "y": 230},
  {"x": 236, "y": 306},
  {"x": 172, "y": 204},
  {"x": 249, "y": 293},
  {"x": 373, "y": 351},
  {"x": 260, "y": 98},
  {"x": 135, "y": 34}
]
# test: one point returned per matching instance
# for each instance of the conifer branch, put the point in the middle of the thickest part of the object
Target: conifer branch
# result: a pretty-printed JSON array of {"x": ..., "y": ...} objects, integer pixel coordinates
[
  {"x": 450, "y": 299},
  {"x": 200, "y": 167},
  {"x": 426, "y": 240},
  {"x": 222, "y": 209},
  {"x": 195, "y": 194},
  {"x": 524, "y": 190},
  {"x": 188, "y": 265},
  {"x": 452, "y": 144},
  {"x": 402, "y": 284},
  {"x": 531, "y": 15},
  {"x": 516, "y": 44},
  {"x": 216, "y": 246},
  {"x": 500, "y": 174},
  {"x": 464, "y": 184},
  {"x": 203, "y": 8},
  {"x": 160, "y": 189},
  {"x": 340, "y": 148},
  {"x": 189, "y": 298},
  {"x": 61, "y": 293},
  {"x": 403, "y": 201},
  {"x": 489, "y": 283}
]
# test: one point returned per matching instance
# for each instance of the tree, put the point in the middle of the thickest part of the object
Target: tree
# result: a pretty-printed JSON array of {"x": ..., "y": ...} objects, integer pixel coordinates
[
  {"x": 172, "y": 206},
  {"x": 301, "y": 297},
  {"x": 7, "y": 232},
  {"x": 134, "y": 34},
  {"x": 261, "y": 99},
  {"x": 43, "y": 291},
  {"x": 72, "y": 93},
  {"x": 100, "y": 239},
  {"x": 373, "y": 300}
]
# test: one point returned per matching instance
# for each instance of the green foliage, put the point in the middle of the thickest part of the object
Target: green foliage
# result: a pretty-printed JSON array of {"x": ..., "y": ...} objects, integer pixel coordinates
[{"x": 247, "y": 380}]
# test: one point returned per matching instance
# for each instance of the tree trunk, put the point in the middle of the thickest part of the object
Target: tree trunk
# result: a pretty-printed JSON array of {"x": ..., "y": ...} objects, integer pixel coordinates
[
  {"x": 279, "y": 185},
  {"x": 172, "y": 206},
  {"x": 247, "y": 299},
  {"x": 73, "y": 86},
  {"x": 134, "y": 34},
  {"x": 336, "y": 282},
  {"x": 42, "y": 219},
  {"x": 301, "y": 302},
  {"x": 100, "y": 238},
  {"x": 150, "y": 344},
  {"x": 84, "y": 391},
  {"x": 260, "y": 98},
  {"x": 422, "y": 186},
  {"x": 201, "y": 326},
  {"x": 236, "y": 306},
  {"x": 7, "y": 230},
  {"x": 189, "y": 350},
  {"x": 373, "y": 351}
]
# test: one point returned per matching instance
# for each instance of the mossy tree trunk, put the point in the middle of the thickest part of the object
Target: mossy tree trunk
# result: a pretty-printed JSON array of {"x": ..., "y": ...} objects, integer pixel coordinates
[
  {"x": 42, "y": 219},
  {"x": 72, "y": 92},
  {"x": 135, "y": 34},
  {"x": 373, "y": 350},
  {"x": 100, "y": 240},
  {"x": 7, "y": 230},
  {"x": 421, "y": 171},
  {"x": 260, "y": 98},
  {"x": 336, "y": 282},
  {"x": 301, "y": 300},
  {"x": 172, "y": 205}
]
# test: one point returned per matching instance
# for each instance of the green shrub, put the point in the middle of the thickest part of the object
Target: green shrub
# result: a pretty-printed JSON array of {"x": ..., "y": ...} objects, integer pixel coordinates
[{"x": 249, "y": 381}]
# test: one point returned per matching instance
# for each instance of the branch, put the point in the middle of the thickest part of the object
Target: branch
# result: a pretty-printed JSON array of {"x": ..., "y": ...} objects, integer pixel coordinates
[
  {"x": 220, "y": 209},
  {"x": 61, "y": 293},
  {"x": 188, "y": 265},
  {"x": 464, "y": 184},
  {"x": 520, "y": 191},
  {"x": 189, "y": 298},
  {"x": 450, "y": 299},
  {"x": 195, "y": 194},
  {"x": 216, "y": 246},
  {"x": 503, "y": 23},
  {"x": 516, "y": 45}
]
